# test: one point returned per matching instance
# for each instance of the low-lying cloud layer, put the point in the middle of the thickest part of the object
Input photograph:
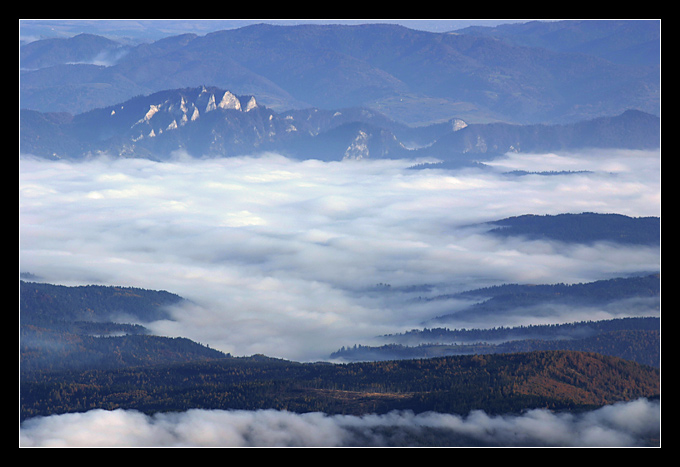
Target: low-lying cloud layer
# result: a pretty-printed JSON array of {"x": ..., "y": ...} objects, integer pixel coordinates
[
  {"x": 281, "y": 257},
  {"x": 629, "y": 424}
]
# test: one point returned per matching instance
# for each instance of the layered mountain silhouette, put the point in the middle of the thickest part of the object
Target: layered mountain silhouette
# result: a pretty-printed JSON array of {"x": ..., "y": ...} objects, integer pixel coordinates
[
  {"x": 213, "y": 122},
  {"x": 538, "y": 72}
]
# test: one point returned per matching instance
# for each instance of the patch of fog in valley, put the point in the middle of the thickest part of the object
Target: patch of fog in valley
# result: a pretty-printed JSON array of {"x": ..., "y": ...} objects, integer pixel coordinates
[{"x": 283, "y": 257}]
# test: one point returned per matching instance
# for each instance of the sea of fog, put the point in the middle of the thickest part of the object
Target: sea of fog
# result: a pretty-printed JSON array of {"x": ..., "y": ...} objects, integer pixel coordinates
[{"x": 282, "y": 257}]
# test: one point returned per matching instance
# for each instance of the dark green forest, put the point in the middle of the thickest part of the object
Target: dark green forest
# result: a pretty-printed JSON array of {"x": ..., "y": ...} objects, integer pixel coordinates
[
  {"x": 47, "y": 303},
  {"x": 79, "y": 328},
  {"x": 585, "y": 227},
  {"x": 574, "y": 330},
  {"x": 507, "y": 383},
  {"x": 506, "y": 298},
  {"x": 75, "y": 356},
  {"x": 634, "y": 339}
]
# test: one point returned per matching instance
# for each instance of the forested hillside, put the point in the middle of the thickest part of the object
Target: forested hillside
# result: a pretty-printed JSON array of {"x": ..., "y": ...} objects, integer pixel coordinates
[
  {"x": 634, "y": 339},
  {"x": 86, "y": 327},
  {"x": 639, "y": 293},
  {"x": 73, "y": 360},
  {"x": 494, "y": 383},
  {"x": 586, "y": 227},
  {"x": 48, "y": 303}
]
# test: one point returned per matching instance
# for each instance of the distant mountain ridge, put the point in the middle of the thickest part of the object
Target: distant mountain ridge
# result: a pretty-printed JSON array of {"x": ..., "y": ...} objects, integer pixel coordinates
[
  {"x": 622, "y": 41},
  {"x": 214, "y": 122},
  {"x": 631, "y": 338},
  {"x": 632, "y": 129},
  {"x": 413, "y": 76},
  {"x": 83, "y": 48},
  {"x": 634, "y": 339}
]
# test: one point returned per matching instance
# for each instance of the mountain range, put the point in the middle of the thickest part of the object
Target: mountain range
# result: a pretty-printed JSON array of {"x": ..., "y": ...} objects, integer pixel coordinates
[
  {"x": 534, "y": 72},
  {"x": 210, "y": 122}
]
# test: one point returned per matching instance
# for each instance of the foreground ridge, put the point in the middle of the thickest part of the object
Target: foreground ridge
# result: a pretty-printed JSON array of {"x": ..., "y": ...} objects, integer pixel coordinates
[{"x": 557, "y": 380}]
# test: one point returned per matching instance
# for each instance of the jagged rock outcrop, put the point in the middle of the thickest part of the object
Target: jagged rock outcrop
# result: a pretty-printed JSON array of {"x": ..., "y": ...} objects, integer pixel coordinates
[{"x": 213, "y": 122}]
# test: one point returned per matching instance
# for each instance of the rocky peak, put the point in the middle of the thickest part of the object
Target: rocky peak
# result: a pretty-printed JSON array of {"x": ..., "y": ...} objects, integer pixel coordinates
[{"x": 166, "y": 111}]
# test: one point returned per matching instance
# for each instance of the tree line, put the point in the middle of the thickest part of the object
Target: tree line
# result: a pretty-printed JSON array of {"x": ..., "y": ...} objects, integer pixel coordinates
[{"x": 458, "y": 384}]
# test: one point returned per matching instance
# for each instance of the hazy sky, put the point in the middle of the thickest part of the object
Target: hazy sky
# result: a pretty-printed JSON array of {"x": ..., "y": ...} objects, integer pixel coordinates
[{"x": 280, "y": 257}]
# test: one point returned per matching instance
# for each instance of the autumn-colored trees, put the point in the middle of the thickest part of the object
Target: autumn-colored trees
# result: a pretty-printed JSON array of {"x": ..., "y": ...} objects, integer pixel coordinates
[{"x": 495, "y": 383}]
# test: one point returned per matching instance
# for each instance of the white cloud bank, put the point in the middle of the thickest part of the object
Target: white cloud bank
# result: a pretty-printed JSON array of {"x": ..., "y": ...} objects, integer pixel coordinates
[
  {"x": 277, "y": 255},
  {"x": 630, "y": 424}
]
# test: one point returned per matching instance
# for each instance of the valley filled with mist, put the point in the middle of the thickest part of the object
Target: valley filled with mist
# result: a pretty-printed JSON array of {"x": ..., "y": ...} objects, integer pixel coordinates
[
  {"x": 269, "y": 258},
  {"x": 283, "y": 257}
]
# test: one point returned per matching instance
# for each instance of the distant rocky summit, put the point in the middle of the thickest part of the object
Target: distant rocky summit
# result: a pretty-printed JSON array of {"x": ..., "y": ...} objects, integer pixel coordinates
[{"x": 212, "y": 122}]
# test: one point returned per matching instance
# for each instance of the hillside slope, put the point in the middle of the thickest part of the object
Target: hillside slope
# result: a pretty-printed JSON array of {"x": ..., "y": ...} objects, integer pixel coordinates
[{"x": 558, "y": 380}]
